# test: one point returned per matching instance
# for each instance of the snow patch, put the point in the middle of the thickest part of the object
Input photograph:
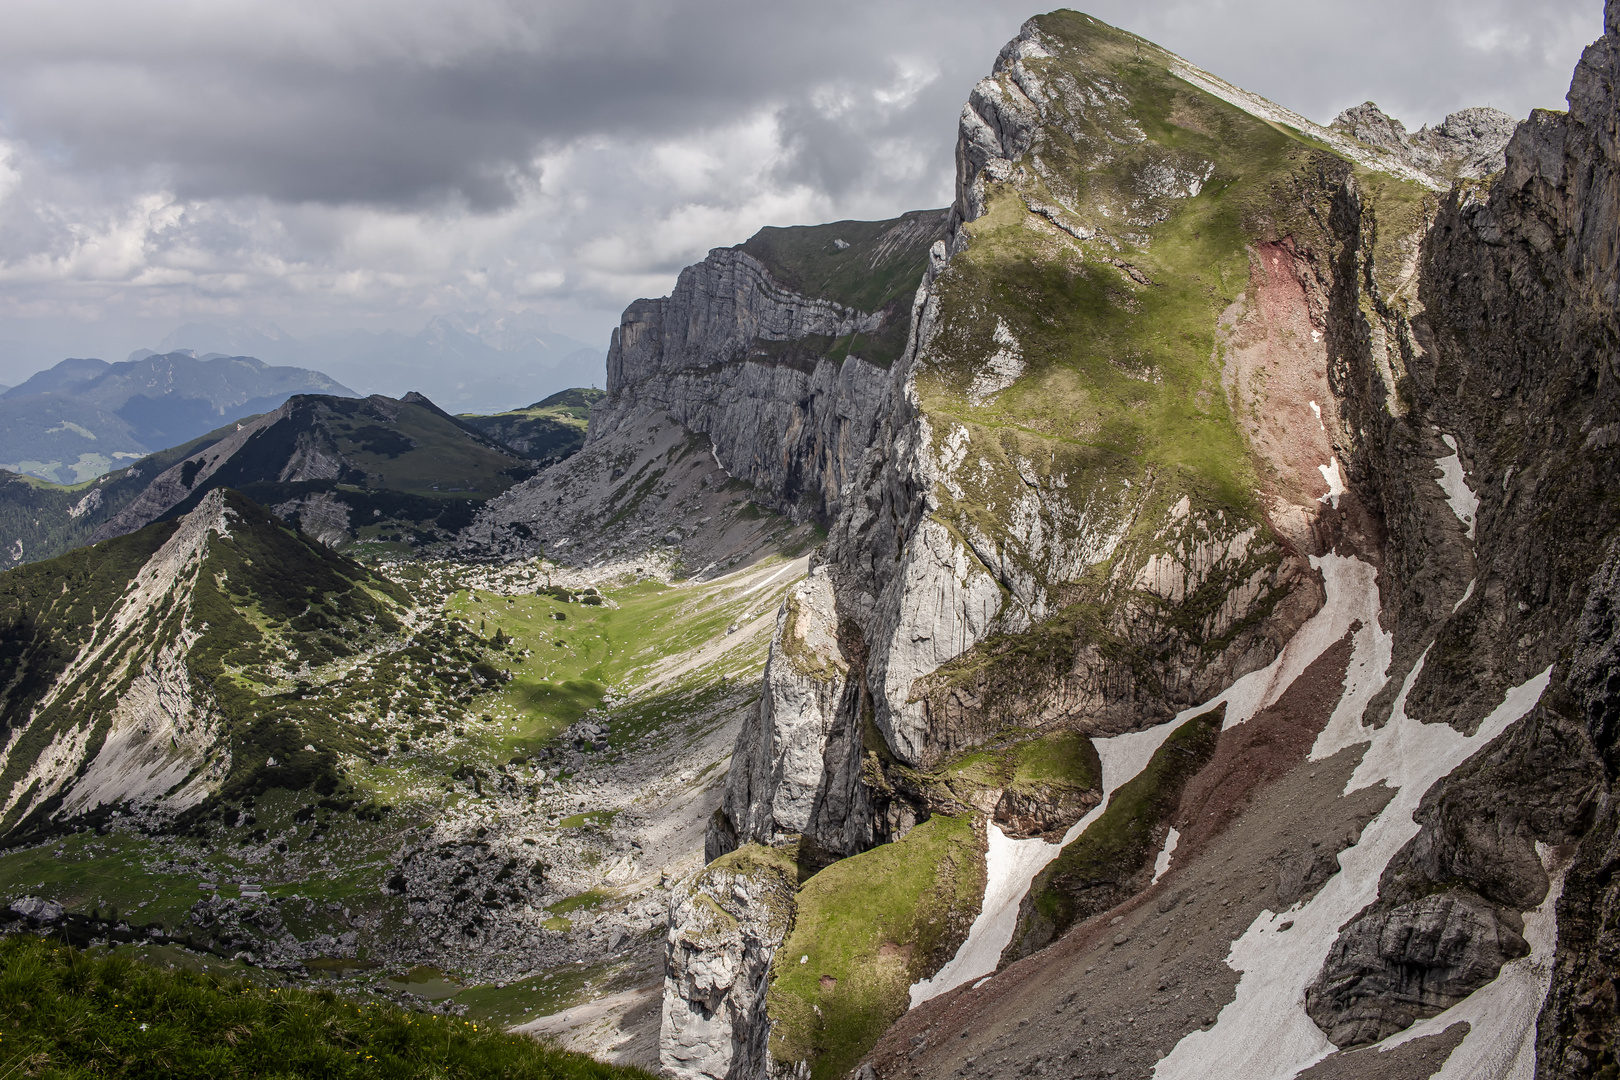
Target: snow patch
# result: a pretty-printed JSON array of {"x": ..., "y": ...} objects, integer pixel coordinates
[
  {"x": 1316, "y": 410},
  {"x": 1352, "y": 597},
  {"x": 1466, "y": 594},
  {"x": 1264, "y": 1034},
  {"x": 1335, "y": 482},
  {"x": 1464, "y": 503},
  {"x": 1162, "y": 863},
  {"x": 1010, "y": 865}
]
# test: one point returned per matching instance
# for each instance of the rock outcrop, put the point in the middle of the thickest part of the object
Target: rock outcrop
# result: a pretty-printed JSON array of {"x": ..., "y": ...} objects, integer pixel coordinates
[
  {"x": 1468, "y": 145},
  {"x": 1063, "y": 522},
  {"x": 723, "y": 934}
]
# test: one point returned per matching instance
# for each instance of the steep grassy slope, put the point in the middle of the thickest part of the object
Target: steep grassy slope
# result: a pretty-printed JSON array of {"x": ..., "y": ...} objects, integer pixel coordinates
[
  {"x": 171, "y": 635},
  {"x": 389, "y": 475},
  {"x": 1105, "y": 863},
  {"x": 864, "y": 930}
]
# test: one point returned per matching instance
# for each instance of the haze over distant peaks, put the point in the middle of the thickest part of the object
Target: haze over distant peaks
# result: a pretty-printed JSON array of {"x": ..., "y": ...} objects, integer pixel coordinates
[
  {"x": 77, "y": 420},
  {"x": 464, "y": 361}
]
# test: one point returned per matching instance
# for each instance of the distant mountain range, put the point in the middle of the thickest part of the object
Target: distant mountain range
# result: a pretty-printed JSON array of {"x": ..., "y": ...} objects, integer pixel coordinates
[
  {"x": 478, "y": 362},
  {"x": 391, "y": 475},
  {"x": 83, "y": 417}
]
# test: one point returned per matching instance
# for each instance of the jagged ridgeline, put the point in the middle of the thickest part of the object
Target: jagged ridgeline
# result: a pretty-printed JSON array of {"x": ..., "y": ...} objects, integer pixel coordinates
[{"x": 200, "y": 658}]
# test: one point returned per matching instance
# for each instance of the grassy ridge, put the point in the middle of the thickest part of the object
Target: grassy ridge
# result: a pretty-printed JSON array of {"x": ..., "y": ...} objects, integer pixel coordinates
[
  {"x": 67, "y": 1014},
  {"x": 870, "y": 926},
  {"x": 877, "y": 269},
  {"x": 409, "y": 471},
  {"x": 547, "y": 431}
]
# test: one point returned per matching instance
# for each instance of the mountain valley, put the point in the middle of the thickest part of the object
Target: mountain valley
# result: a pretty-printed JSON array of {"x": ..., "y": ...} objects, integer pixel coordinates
[{"x": 1154, "y": 617}]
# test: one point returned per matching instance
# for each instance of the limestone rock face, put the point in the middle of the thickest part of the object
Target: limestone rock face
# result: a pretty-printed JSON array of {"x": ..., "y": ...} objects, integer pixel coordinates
[
  {"x": 956, "y": 554},
  {"x": 723, "y": 935},
  {"x": 775, "y": 789},
  {"x": 1447, "y": 915},
  {"x": 1468, "y": 144},
  {"x": 1410, "y": 962},
  {"x": 739, "y": 386},
  {"x": 787, "y": 384},
  {"x": 719, "y": 309},
  {"x": 37, "y": 910},
  {"x": 163, "y": 747},
  {"x": 1506, "y": 369}
]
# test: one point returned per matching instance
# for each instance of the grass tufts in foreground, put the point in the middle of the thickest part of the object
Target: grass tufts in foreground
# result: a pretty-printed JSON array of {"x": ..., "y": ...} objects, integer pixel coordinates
[{"x": 70, "y": 1014}]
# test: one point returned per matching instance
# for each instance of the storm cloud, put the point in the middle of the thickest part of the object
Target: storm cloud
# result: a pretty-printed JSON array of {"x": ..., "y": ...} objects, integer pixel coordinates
[{"x": 350, "y": 162}]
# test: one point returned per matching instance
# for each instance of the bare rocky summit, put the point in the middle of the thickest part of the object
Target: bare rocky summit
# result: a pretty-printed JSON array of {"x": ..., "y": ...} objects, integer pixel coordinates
[{"x": 1470, "y": 144}]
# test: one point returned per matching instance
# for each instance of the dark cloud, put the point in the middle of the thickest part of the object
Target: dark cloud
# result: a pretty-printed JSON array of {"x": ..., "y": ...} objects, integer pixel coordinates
[
  {"x": 343, "y": 162},
  {"x": 397, "y": 123}
]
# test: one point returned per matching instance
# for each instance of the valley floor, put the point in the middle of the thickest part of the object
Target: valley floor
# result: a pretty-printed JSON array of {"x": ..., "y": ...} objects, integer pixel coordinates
[{"x": 524, "y": 864}]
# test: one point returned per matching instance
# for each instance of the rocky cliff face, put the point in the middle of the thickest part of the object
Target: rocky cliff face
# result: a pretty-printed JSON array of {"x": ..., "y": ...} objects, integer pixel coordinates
[
  {"x": 1395, "y": 354},
  {"x": 786, "y": 380},
  {"x": 723, "y": 935},
  {"x": 769, "y": 360}
]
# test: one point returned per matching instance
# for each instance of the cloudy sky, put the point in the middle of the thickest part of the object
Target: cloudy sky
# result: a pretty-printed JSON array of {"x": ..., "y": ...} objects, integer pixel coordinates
[{"x": 324, "y": 164}]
